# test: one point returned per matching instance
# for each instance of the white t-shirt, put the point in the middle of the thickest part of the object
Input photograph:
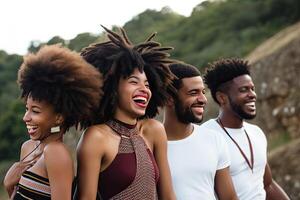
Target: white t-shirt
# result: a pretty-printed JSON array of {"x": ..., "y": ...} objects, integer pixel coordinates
[
  {"x": 194, "y": 161},
  {"x": 248, "y": 185}
]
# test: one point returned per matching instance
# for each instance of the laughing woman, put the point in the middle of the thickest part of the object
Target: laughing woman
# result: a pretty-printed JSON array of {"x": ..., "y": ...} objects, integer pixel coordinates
[
  {"x": 116, "y": 159},
  {"x": 60, "y": 90}
]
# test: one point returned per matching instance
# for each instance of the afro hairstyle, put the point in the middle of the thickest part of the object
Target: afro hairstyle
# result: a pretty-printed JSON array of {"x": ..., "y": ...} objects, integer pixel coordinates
[
  {"x": 222, "y": 71},
  {"x": 63, "y": 79}
]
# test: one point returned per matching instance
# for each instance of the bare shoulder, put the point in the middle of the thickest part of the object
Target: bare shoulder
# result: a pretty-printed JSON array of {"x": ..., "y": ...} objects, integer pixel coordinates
[
  {"x": 94, "y": 140},
  {"x": 57, "y": 152},
  {"x": 96, "y": 134},
  {"x": 153, "y": 129},
  {"x": 27, "y": 147},
  {"x": 151, "y": 125},
  {"x": 56, "y": 147}
]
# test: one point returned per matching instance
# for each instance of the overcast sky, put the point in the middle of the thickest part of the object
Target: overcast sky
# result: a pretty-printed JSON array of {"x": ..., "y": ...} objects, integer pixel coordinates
[{"x": 22, "y": 21}]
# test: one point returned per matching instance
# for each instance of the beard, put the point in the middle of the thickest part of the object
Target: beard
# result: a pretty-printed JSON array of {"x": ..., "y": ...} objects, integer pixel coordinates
[
  {"x": 240, "y": 112},
  {"x": 185, "y": 114}
]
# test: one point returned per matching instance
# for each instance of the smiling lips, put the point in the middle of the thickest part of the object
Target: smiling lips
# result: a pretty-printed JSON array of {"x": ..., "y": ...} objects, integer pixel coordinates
[
  {"x": 31, "y": 129},
  {"x": 250, "y": 105},
  {"x": 141, "y": 100},
  {"x": 199, "y": 109}
]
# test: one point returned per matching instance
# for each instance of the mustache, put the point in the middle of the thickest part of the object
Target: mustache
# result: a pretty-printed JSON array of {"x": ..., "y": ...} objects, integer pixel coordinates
[{"x": 198, "y": 104}]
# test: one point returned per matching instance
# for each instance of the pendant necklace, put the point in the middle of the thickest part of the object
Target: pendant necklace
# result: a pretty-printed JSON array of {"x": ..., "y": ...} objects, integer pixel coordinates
[{"x": 250, "y": 163}]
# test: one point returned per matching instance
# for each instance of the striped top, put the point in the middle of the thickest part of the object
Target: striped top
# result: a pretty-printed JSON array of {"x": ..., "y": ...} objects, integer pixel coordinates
[{"x": 33, "y": 186}]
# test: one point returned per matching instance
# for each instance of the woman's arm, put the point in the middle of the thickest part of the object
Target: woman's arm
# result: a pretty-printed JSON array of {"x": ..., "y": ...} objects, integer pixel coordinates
[
  {"x": 15, "y": 172},
  {"x": 89, "y": 156},
  {"x": 157, "y": 132},
  {"x": 59, "y": 166}
]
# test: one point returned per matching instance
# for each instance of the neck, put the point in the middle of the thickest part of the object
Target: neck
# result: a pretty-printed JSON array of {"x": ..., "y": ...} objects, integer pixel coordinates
[
  {"x": 129, "y": 126},
  {"x": 175, "y": 129},
  {"x": 125, "y": 119},
  {"x": 52, "y": 137},
  {"x": 230, "y": 120}
]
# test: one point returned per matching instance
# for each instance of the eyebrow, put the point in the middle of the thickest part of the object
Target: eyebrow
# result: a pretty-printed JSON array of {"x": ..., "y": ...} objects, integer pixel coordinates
[
  {"x": 133, "y": 76},
  {"x": 35, "y": 106}
]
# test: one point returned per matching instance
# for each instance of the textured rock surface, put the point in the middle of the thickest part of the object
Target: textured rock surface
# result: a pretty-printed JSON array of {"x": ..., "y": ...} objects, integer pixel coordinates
[
  {"x": 276, "y": 74},
  {"x": 284, "y": 163}
]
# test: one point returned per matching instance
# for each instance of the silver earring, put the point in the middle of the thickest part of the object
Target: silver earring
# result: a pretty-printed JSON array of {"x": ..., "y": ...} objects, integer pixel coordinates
[{"x": 55, "y": 129}]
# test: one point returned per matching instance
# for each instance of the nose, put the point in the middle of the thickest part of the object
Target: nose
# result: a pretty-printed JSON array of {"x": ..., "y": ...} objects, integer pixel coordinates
[
  {"x": 26, "y": 117},
  {"x": 202, "y": 99},
  {"x": 145, "y": 89},
  {"x": 252, "y": 94}
]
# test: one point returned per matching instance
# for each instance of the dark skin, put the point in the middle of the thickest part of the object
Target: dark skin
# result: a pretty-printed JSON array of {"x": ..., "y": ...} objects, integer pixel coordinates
[
  {"x": 241, "y": 90},
  {"x": 192, "y": 96},
  {"x": 99, "y": 144}
]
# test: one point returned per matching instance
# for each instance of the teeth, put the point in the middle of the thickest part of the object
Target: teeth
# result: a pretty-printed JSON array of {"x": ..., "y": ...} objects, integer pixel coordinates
[
  {"x": 29, "y": 127},
  {"x": 142, "y": 99},
  {"x": 252, "y": 104}
]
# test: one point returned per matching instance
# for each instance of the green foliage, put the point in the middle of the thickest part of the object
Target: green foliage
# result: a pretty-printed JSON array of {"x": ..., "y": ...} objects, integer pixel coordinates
[
  {"x": 56, "y": 40},
  {"x": 82, "y": 40},
  {"x": 4, "y": 166},
  {"x": 144, "y": 24},
  {"x": 215, "y": 29},
  {"x": 12, "y": 131},
  {"x": 278, "y": 140},
  {"x": 229, "y": 28}
]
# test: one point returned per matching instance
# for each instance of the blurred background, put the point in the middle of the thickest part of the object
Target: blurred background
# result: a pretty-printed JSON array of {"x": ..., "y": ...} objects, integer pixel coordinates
[{"x": 267, "y": 33}]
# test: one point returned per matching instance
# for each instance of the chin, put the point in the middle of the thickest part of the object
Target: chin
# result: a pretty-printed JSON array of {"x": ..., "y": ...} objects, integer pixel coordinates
[
  {"x": 139, "y": 114},
  {"x": 249, "y": 116},
  {"x": 34, "y": 138}
]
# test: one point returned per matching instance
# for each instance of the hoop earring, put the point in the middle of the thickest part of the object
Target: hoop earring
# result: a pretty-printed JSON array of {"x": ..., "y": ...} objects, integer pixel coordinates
[{"x": 55, "y": 129}]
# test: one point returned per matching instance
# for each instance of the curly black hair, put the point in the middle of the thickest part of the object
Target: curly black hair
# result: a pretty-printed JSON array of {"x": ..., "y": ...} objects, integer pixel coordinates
[
  {"x": 63, "y": 79},
  {"x": 118, "y": 57},
  {"x": 222, "y": 71}
]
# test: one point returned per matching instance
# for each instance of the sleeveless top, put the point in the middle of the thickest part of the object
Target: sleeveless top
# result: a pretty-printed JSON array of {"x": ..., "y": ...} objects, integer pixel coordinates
[
  {"x": 133, "y": 174},
  {"x": 33, "y": 186}
]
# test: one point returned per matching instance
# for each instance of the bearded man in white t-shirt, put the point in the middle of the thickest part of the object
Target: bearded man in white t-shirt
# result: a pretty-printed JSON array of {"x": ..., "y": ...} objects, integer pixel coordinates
[
  {"x": 198, "y": 157},
  {"x": 232, "y": 89}
]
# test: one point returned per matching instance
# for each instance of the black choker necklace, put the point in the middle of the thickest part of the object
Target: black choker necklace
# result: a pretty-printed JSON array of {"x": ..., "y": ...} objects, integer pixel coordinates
[
  {"x": 250, "y": 164},
  {"x": 129, "y": 126}
]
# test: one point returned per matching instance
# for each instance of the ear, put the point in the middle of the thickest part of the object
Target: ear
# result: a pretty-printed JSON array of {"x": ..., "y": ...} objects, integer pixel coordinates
[
  {"x": 59, "y": 119},
  {"x": 222, "y": 98},
  {"x": 170, "y": 102}
]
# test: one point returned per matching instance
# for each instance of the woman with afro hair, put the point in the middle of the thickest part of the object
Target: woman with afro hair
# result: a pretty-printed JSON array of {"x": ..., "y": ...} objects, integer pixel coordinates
[
  {"x": 60, "y": 90},
  {"x": 117, "y": 157}
]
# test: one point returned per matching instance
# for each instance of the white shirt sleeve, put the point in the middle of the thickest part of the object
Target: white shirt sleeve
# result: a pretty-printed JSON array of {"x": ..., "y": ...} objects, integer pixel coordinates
[{"x": 224, "y": 157}]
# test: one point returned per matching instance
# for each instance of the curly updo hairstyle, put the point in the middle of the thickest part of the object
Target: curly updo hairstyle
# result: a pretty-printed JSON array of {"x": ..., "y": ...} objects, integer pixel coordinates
[
  {"x": 118, "y": 57},
  {"x": 222, "y": 71},
  {"x": 63, "y": 79}
]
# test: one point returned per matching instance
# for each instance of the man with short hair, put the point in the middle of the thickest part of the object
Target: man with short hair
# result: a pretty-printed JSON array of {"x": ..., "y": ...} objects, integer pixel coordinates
[
  {"x": 198, "y": 157},
  {"x": 232, "y": 89}
]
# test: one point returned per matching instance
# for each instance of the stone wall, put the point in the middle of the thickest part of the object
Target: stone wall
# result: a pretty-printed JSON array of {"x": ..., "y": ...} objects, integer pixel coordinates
[{"x": 276, "y": 74}]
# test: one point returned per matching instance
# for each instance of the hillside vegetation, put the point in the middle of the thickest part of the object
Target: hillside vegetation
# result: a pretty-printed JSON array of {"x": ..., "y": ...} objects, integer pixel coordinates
[{"x": 214, "y": 29}]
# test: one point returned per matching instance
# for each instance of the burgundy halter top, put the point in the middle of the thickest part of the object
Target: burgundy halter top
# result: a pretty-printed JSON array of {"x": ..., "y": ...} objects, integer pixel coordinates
[{"x": 133, "y": 174}]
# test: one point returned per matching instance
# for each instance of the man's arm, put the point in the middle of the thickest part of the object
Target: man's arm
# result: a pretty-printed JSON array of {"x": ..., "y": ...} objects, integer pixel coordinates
[
  {"x": 224, "y": 186},
  {"x": 273, "y": 190}
]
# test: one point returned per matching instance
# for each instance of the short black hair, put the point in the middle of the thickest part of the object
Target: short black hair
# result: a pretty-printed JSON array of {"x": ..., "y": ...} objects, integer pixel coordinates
[
  {"x": 182, "y": 70},
  {"x": 118, "y": 57},
  {"x": 63, "y": 79},
  {"x": 222, "y": 71}
]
